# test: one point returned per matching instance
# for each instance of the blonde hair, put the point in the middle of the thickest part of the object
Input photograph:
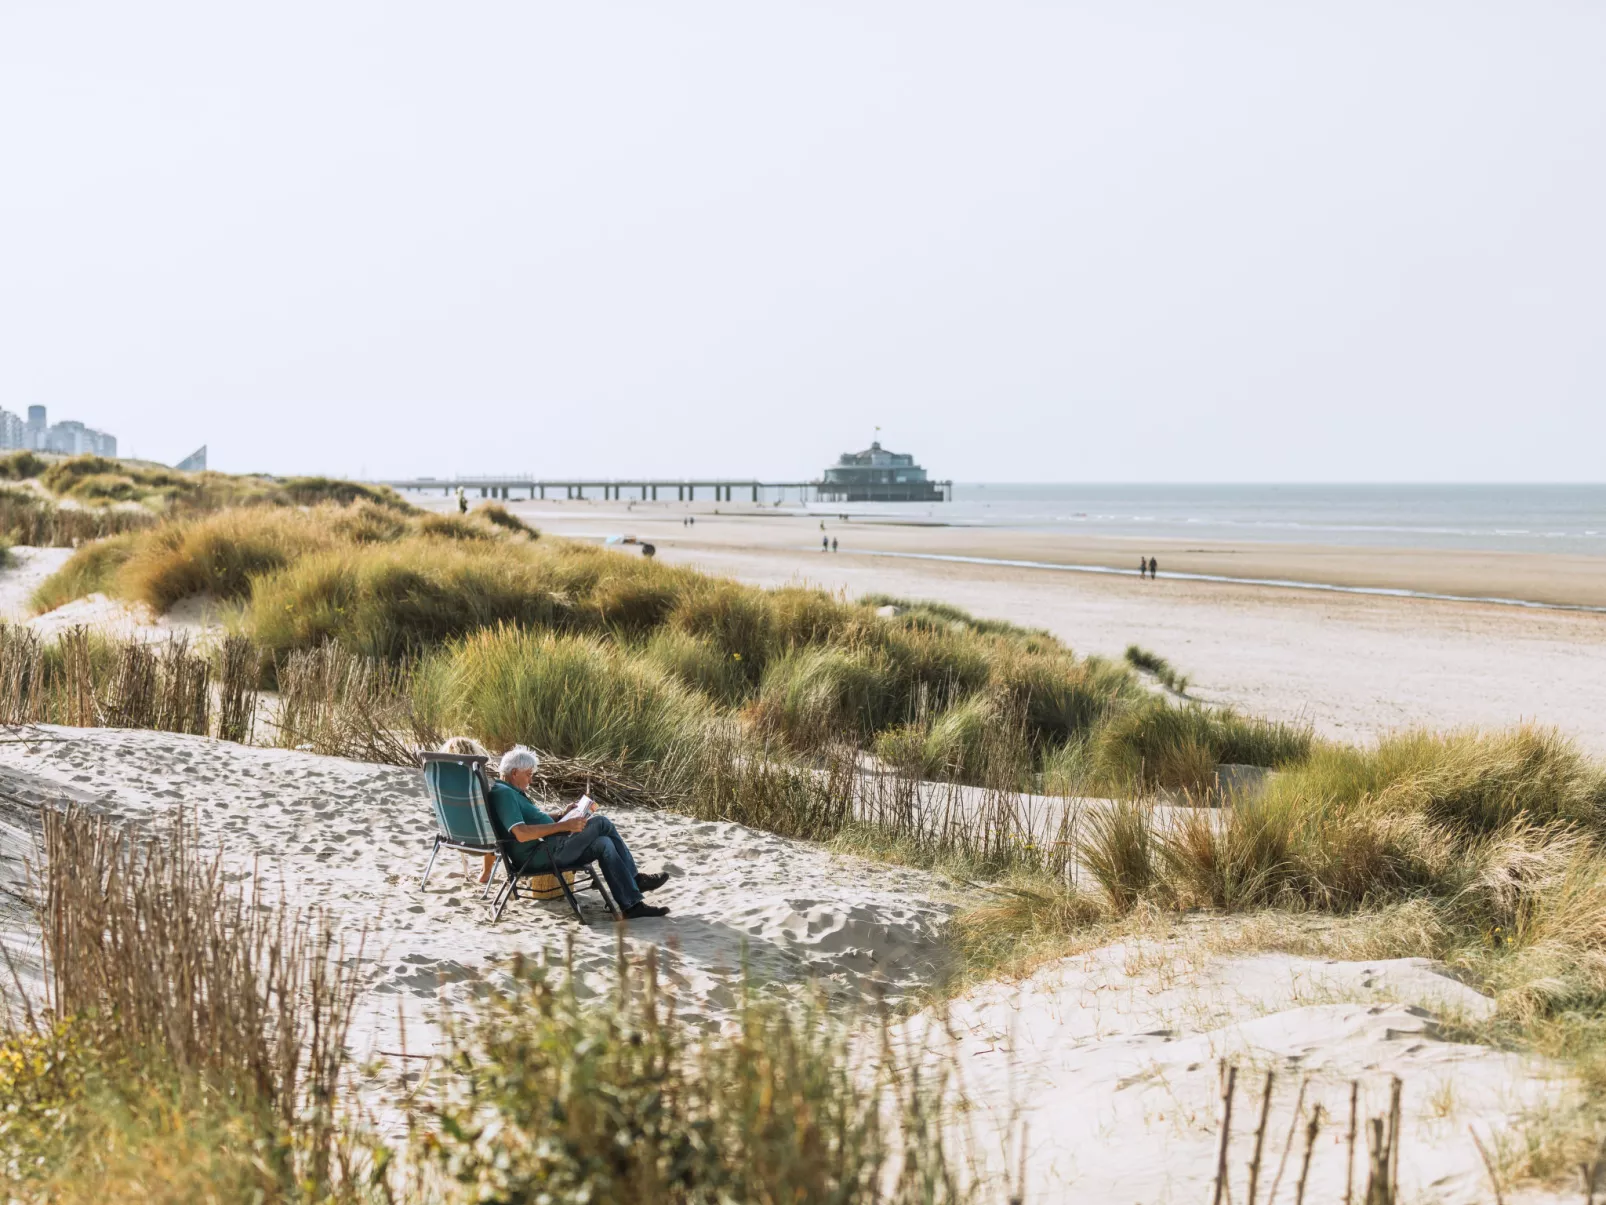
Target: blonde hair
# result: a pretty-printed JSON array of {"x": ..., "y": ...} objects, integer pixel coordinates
[{"x": 465, "y": 745}]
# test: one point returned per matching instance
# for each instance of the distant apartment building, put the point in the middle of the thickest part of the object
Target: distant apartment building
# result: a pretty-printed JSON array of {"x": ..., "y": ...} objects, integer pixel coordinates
[{"x": 70, "y": 438}]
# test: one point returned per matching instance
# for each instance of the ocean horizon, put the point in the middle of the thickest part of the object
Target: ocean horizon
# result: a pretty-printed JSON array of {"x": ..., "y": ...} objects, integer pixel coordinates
[{"x": 1461, "y": 517}]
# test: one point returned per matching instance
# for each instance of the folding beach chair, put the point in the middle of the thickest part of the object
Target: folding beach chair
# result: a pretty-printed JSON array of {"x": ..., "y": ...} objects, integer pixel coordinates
[
  {"x": 459, "y": 787},
  {"x": 538, "y": 864}
]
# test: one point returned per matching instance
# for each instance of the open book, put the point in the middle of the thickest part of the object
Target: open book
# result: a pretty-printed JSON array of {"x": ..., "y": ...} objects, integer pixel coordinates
[{"x": 584, "y": 808}]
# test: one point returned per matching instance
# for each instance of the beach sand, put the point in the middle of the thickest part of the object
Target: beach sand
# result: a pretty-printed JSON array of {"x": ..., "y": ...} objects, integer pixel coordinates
[
  {"x": 1105, "y": 1062},
  {"x": 1356, "y": 666},
  {"x": 1109, "y": 1058}
]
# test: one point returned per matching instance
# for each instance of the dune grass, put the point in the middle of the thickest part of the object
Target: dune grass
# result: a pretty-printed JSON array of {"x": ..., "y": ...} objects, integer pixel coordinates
[
  {"x": 99, "y": 481},
  {"x": 559, "y": 1097},
  {"x": 575, "y": 696},
  {"x": 495, "y": 512},
  {"x": 931, "y": 687},
  {"x": 400, "y": 599},
  {"x": 1152, "y": 663},
  {"x": 195, "y": 1050}
]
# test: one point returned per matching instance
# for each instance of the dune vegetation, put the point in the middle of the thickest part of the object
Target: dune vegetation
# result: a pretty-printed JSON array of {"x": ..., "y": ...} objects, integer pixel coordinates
[
  {"x": 767, "y": 707},
  {"x": 927, "y": 687},
  {"x": 196, "y": 1048}
]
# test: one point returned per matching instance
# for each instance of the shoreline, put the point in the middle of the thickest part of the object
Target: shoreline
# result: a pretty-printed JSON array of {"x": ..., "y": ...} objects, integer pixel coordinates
[
  {"x": 1524, "y": 579},
  {"x": 1281, "y": 583},
  {"x": 1356, "y": 664}
]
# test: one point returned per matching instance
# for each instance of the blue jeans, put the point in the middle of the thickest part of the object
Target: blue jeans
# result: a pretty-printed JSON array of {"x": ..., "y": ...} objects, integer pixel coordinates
[{"x": 600, "y": 842}]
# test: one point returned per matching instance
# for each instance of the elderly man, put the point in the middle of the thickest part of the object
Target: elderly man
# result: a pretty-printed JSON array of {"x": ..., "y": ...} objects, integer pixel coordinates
[{"x": 575, "y": 842}]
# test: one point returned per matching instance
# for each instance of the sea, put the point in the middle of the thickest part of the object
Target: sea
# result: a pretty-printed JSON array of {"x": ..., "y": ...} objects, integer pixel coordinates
[{"x": 1506, "y": 518}]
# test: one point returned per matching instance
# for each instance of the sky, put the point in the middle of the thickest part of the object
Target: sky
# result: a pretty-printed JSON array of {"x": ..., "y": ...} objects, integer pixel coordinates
[{"x": 1122, "y": 241}]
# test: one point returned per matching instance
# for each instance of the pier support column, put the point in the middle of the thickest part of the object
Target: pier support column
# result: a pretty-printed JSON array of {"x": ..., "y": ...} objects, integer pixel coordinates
[{"x": 655, "y": 493}]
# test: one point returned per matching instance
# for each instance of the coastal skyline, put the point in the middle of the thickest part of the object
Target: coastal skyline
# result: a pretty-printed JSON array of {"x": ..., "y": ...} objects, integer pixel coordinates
[{"x": 1081, "y": 243}]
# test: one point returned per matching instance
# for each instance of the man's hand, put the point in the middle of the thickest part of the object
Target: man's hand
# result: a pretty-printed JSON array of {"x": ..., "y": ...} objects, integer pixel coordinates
[{"x": 577, "y": 825}]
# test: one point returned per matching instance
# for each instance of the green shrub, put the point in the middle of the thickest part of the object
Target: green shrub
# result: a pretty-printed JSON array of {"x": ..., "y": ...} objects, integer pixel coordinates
[
  {"x": 975, "y": 740},
  {"x": 495, "y": 512},
  {"x": 736, "y": 618},
  {"x": 1474, "y": 781},
  {"x": 930, "y": 615},
  {"x": 91, "y": 570},
  {"x": 1141, "y": 658},
  {"x": 19, "y": 466},
  {"x": 393, "y": 600},
  {"x": 629, "y": 603},
  {"x": 368, "y": 523},
  {"x": 560, "y": 1098},
  {"x": 1061, "y": 698},
  {"x": 315, "y": 491},
  {"x": 815, "y": 695},
  {"x": 698, "y": 664},
  {"x": 1156, "y": 745},
  {"x": 1066, "y": 769},
  {"x": 455, "y": 527},
  {"x": 217, "y": 555},
  {"x": 574, "y": 696}
]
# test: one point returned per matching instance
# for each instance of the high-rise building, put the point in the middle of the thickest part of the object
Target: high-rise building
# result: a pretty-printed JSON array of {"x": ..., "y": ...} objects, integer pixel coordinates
[
  {"x": 13, "y": 432},
  {"x": 69, "y": 438}
]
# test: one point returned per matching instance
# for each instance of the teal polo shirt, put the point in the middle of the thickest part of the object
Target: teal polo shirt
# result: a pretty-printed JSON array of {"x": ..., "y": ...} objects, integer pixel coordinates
[{"x": 510, "y": 806}]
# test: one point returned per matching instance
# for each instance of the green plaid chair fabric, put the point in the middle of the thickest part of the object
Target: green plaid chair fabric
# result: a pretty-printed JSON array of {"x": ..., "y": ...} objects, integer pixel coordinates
[{"x": 458, "y": 788}]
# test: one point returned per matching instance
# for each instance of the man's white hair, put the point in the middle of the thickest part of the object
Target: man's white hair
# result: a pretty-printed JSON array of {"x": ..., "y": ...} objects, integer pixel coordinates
[{"x": 518, "y": 758}]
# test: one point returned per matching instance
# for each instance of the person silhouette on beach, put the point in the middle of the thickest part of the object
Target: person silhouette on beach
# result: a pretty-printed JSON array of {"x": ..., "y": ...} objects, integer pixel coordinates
[
  {"x": 1143, "y": 566},
  {"x": 833, "y": 543},
  {"x": 1154, "y": 568},
  {"x": 825, "y": 543}
]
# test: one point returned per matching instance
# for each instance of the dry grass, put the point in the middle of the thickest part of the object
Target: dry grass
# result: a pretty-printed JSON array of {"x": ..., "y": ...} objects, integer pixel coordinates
[
  {"x": 342, "y": 705},
  {"x": 555, "y": 1097},
  {"x": 202, "y": 1031}
]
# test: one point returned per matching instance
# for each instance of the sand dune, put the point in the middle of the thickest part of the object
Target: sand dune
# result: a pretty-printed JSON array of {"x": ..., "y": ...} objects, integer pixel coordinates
[
  {"x": 1109, "y": 1057},
  {"x": 1109, "y": 1063},
  {"x": 353, "y": 838}
]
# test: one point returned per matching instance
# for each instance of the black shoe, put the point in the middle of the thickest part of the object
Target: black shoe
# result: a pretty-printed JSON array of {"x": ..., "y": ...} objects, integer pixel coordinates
[
  {"x": 641, "y": 910},
  {"x": 650, "y": 882}
]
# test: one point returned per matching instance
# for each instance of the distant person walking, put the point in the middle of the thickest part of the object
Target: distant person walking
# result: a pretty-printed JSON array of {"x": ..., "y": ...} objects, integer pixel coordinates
[
  {"x": 825, "y": 543},
  {"x": 833, "y": 543},
  {"x": 1143, "y": 566},
  {"x": 462, "y": 502},
  {"x": 1154, "y": 568}
]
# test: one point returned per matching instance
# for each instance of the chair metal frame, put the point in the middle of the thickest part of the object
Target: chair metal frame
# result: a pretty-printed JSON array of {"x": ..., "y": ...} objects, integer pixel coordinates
[{"x": 504, "y": 847}]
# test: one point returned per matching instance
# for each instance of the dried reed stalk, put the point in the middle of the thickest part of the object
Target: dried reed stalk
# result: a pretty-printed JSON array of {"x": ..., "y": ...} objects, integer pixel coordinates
[
  {"x": 239, "y": 670},
  {"x": 184, "y": 696},
  {"x": 1311, "y": 1131},
  {"x": 146, "y": 932},
  {"x": 344, "y": 705},
  {"x": 22, "y": 674},
  {"x": 1229, "y": 1082},
  {"x": 76, "y": 705},
  {"x": 1260, "y": 1136}
]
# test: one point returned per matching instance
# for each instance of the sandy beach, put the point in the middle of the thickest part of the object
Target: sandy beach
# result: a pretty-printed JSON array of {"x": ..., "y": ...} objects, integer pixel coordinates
[
  {"x": 1355, "y": 665},
  {"x": 1103, "y": 1062}
]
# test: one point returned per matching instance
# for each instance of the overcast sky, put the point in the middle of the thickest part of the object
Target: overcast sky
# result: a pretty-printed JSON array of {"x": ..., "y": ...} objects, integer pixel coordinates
[{"x": 1201, "y": 241}]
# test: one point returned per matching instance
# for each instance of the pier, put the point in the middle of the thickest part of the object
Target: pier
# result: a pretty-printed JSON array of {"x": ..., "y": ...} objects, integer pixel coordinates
[{"x": 646, "y": 489}]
